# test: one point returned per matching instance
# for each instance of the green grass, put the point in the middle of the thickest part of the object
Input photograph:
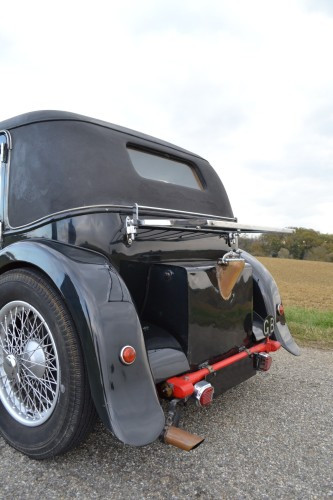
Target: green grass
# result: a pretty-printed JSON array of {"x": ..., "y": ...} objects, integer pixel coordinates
[{"x": 311, "y": 327}]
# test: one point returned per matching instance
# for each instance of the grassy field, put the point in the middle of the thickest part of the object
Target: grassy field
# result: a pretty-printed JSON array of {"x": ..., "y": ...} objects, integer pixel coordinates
[{"x": 306, "y": 288}]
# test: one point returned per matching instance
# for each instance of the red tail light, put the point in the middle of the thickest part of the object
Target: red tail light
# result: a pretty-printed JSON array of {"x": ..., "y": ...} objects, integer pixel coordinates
[
  {"x": 203, "y": 393},
  {"x": 127, "y": 355},
  {"x": 280, "y": 309}
]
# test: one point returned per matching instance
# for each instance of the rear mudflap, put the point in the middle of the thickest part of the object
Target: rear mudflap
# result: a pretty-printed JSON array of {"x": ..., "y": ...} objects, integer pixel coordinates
[{"x": 271, "y": 298}]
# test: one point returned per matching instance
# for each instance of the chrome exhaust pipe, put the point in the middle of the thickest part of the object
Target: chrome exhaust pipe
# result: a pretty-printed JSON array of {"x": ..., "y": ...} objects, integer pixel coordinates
[{"x": 181, "y": 439}]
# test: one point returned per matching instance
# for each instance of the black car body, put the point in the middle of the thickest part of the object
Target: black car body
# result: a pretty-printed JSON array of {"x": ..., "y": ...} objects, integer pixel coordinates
[{"x": 120, "y": 279}]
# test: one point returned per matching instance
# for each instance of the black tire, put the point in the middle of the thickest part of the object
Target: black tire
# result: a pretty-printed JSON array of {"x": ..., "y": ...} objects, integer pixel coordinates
[{"x": 51, "y": 409}]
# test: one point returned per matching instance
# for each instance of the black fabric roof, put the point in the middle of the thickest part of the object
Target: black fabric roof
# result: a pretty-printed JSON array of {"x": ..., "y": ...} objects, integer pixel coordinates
[
  {"x": 62, "y": 161},
  {"x": 54, "y": 115}
]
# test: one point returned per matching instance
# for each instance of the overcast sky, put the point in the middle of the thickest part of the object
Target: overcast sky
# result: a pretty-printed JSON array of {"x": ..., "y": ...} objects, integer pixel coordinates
[{"x": 248, "y": 85}]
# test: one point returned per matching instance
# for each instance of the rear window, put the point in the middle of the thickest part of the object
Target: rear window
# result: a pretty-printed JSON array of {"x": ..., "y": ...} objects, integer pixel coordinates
[{"x": 159, "y": 168}]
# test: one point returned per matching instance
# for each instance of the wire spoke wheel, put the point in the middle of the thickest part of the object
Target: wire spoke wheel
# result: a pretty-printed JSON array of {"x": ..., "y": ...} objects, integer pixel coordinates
[
  {"x": 46, "y": 406},
  {"x": 29, "y": 364}
]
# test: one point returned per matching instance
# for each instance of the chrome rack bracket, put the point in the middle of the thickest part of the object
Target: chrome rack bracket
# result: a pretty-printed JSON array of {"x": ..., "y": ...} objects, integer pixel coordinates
[{"x": 131, "y": 230}]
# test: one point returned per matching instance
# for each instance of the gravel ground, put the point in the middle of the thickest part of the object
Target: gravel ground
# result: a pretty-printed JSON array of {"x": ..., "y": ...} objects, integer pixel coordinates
[{"x": 270, "y": 437}]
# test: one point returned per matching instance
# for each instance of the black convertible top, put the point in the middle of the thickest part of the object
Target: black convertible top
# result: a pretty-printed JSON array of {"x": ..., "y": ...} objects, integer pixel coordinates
[{"x": 62, "y": 161}]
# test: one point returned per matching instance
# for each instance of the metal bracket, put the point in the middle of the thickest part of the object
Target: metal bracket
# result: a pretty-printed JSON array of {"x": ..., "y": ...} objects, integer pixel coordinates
[
  {"x": 231, "y": 256},
  {"x": 131, "y": 230},
  {"x": 132, "y": 225},
  {"x": 174, "y": 413},
  {"x": 231, "y": 239},
  {"x": 248, "y": 352}
]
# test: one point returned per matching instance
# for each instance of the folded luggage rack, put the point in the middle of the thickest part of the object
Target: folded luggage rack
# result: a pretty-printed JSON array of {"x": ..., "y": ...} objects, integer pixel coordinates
[{"x": 191, "y": 221}]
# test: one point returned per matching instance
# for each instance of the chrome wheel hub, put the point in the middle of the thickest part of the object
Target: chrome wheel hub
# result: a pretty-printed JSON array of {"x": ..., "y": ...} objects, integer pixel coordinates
[
  {"x": 34, "y": 358},
  {"x": 29, "y": 364}
]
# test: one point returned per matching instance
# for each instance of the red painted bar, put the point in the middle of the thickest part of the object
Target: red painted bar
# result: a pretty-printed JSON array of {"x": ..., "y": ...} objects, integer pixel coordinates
[{"x": 183, "y": 386}]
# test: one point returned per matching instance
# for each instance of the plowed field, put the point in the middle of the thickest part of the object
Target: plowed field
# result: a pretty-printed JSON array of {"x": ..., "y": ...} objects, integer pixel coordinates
[
  {"x": 303, "y": 283},
  {"x": 306, "y": 289}
]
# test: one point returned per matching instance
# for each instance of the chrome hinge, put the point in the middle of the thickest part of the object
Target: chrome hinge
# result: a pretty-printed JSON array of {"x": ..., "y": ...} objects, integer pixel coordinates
[
  {"x": 231, "y": 240},
  {"x": 131, "y": 225},
  {"x": 131, "y": 230}
]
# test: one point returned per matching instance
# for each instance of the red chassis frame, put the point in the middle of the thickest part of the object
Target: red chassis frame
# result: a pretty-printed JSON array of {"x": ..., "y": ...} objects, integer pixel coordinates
[{"x": 183, "y": 386}]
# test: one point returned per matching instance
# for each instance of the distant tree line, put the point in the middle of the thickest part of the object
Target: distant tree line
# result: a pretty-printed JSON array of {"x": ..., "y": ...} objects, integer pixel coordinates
[{"x": 303, "y": 244}]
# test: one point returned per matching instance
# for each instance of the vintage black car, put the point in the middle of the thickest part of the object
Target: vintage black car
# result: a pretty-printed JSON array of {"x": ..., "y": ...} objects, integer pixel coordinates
[{"x": 121, "y": 284}]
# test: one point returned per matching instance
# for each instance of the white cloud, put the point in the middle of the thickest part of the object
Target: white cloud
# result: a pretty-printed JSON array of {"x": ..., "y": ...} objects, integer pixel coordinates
[{"x": 245, "y": 84}]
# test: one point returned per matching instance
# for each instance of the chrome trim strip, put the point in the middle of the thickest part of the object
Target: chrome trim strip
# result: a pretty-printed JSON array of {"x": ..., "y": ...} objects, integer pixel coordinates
[
  {"x": 56, "y": 215},
  {"x": 195, "y": 214},
  {"x": 6, "y": 184},
  {"x": 232, "y": 227},
  {"x": 4, "y": 165},
  {"x": 248, "y": 228},
  {"x": 156, "y": 222},
  {"x": 97, "y": 209}
]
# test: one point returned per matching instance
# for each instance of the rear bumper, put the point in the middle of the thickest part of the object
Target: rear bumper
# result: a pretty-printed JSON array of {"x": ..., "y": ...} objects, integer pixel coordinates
[{"x": 183, "y": 386}]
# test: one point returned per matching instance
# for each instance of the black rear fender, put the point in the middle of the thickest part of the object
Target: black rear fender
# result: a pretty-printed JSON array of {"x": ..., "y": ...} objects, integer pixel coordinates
[
  {"x": 106, "y": 320},
  {"x": 267, "y": 301}
]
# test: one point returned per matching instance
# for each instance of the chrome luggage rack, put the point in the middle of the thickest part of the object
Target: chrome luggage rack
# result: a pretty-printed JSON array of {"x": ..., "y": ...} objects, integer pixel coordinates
[{"x": 191, "y": 221}]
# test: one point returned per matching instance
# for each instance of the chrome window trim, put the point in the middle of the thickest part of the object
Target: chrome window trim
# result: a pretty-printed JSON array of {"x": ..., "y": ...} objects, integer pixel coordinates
[{"x": 4, "y": 165}]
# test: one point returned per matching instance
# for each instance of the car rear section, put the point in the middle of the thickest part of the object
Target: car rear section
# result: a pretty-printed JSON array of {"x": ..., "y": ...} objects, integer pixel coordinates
[
  {"x": 210, "y": 314},
  {"x": 138, "y": 240}
]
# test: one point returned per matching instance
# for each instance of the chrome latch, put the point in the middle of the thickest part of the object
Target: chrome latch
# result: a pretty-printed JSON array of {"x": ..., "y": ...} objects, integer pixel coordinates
[{"x": 231, "y": 256}]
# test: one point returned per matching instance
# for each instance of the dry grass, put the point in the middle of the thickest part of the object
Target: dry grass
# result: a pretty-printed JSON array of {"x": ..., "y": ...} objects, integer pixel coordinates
[
  {"x": 303, "y": 283},
  {"x": 306, "y": 289}
]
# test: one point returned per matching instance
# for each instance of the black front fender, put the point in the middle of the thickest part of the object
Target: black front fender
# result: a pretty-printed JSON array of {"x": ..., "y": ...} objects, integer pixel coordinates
[
  {"x": 106, "y": 319},
  {"x": 271, "y": 298}
]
